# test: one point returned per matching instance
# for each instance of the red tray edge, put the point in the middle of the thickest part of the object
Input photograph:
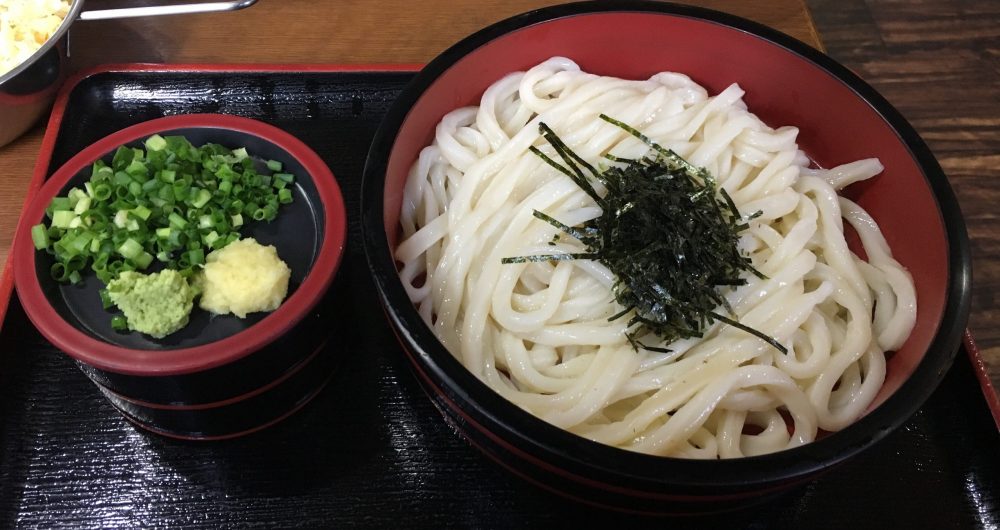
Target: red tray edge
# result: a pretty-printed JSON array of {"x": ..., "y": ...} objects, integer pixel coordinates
[
  {"x": 59, "y": 108},
  {"x": 979, "y": 366}
]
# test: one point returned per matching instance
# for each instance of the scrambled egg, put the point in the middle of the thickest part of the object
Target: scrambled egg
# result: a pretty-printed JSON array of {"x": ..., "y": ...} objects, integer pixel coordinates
[{"x": 24, "y": 26}]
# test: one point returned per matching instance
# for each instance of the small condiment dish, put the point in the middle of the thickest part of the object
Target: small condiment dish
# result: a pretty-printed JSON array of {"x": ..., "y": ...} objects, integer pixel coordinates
[{"x": 220, "y": 376}]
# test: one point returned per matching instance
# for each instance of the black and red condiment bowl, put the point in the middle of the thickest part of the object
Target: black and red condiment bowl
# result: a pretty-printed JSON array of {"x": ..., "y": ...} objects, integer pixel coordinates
[
  {"x": 841, "y": 119},
  {"x": 220, "y": 376}
]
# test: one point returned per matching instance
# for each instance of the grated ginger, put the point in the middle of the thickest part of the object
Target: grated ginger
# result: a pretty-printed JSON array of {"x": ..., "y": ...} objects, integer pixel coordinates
[{"x": 243, "y": 277}]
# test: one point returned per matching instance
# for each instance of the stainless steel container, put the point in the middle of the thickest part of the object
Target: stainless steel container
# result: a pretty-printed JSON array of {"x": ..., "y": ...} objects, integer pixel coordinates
[{"x": 27, "y": 91}]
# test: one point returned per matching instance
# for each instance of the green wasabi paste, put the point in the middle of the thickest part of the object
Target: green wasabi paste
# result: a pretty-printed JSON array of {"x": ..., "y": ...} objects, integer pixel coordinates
[{"x": 156, "y": 304}]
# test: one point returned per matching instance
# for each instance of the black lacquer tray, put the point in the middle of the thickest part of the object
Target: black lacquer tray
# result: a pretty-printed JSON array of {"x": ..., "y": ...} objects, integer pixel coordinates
[{"x": 371, "y": 450}]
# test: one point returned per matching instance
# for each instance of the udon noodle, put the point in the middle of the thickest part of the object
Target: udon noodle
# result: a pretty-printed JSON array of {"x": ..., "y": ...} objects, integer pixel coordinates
[{"x": 539, "y": 334}]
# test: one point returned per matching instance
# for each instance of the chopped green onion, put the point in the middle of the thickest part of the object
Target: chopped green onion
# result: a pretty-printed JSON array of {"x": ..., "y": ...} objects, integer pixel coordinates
[
  {"x": 123, "y": 157},
  {"x": 121, "y": 218},
  {"x": 137, "y": 170},
  {"x": 177, "y": 221},
  {"x": 196, "y": 256},
  {"x": 226, "y": 173},
  {"x": 75, "y": 194},
  {"x": 156, "y": 143},
  {"x": 78, "y": 244},
  {"x": 143, "y": 260},
  {"x": 181, "y": 189},
  {"x": 62, "y": 218},
  {"x": 121, "y": 178},
  {"x": 102, "y": 173},
  {"x": 82, "y": 205},
  {"x": 106, "y": 302},
  {"x": 94, "y": 215},
  {"x": 201, "y": 198},
  {"x": 119, "y": 323},
  {"x": 210, "y": 238},
  {"x": 130, "y": 248},
  {"x": 39, "y": 236},
  {"x": 141, "y": 212},
  {"x": 60, "y": 203},
  {"x": 168, "y": 175},
  {"x": 150, "y": 185},
  {"x": 58, "y": 272},
  {"x": 155, "y": 202}
]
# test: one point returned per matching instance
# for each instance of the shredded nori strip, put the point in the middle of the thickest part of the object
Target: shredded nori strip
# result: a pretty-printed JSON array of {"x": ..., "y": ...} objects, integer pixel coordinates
[{"x": 666, "y": 232}]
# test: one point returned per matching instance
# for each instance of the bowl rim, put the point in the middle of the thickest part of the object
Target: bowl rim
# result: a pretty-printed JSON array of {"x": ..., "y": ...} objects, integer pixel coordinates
[
  {"x": 105, "y": 356},
  {"x": 578, "y": 457}
]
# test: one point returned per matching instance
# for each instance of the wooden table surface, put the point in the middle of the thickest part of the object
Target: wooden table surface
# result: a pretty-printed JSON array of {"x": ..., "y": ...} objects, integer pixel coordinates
[{"x": 904, "y": 48}]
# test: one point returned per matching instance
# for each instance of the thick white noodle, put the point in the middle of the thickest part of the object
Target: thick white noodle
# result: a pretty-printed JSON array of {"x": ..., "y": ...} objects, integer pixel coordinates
[{"x": 538, "y": 333}]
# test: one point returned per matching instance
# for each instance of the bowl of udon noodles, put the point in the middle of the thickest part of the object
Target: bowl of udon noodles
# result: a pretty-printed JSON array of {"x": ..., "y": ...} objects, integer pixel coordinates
[{"x": 661, "y": 259}]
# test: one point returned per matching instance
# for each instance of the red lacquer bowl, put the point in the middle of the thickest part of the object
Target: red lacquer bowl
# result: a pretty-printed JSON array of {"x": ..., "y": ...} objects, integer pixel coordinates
[
  {"x": 841, "y": 119},
  {"x": 220, "y": 376}
]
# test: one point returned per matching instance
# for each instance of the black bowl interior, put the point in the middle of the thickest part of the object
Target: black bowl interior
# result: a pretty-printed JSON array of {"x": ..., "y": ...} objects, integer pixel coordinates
[{"x": 296, "y": 233}]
